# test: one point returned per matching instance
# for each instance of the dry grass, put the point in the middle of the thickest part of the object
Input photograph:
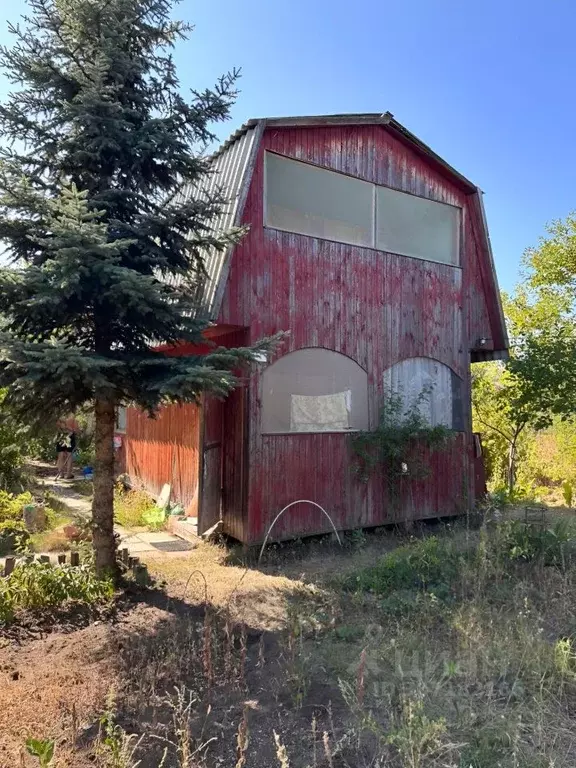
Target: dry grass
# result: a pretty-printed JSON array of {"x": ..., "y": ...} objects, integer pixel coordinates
[
  {"x": 235, "y": 667},
  {"x": 257, "y": 598},
  {"x": 50, "y": 541}
]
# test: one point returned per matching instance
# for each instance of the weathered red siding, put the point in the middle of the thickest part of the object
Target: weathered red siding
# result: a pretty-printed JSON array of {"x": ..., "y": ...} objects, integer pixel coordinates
[
  {"x": 165, "y": 450},
  {"x": 377, "y": 308},
  {"x": 169, "y": 449}
]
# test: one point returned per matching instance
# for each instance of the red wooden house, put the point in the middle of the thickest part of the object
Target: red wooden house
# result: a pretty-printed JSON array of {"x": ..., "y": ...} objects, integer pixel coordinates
[{"x": 374, "y": 254}]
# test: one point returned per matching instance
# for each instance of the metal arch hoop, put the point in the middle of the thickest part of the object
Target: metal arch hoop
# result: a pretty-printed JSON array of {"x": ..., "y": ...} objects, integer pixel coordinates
[{"x": 292, "y": 503}]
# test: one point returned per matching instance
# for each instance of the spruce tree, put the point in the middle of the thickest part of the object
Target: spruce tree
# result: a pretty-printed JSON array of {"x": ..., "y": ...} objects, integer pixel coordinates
[{"x": 102, "y": 218}]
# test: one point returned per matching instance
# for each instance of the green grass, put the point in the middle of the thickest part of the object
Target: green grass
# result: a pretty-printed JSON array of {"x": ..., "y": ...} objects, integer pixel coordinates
[{"x": 459, "y": 649}]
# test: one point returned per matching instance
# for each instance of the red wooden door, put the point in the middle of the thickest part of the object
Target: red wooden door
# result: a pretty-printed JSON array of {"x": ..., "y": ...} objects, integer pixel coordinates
[{"x": 211, "y": 492}]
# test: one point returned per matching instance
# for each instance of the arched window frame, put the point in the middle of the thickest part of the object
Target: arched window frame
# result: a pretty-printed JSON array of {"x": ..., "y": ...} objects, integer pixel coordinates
[
  {"x": 304, "y": 395},
  {"x": 430, "y": 406}
]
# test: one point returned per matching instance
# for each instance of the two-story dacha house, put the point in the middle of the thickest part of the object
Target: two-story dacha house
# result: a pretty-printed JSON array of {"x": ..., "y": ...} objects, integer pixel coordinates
[{"x": 374, "y": 254}]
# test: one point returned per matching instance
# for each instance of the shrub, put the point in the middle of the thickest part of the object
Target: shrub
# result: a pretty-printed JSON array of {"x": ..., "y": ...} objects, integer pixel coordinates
[
  {"x": 428, "y": 564},
  {"x": 13, "y": 536},
  {"x": 567, "y": 493},
  {"x": 516, "y": 540},
  {"x": 132, "y": 508},
  {"x": 41, "y": 585},
  {"x": 15, "y": 446},
  {"x": 11, "y": 506}
]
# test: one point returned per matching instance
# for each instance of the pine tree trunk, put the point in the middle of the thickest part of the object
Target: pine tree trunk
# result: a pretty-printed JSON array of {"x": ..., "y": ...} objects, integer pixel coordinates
[{"x": 103, "y": 501}]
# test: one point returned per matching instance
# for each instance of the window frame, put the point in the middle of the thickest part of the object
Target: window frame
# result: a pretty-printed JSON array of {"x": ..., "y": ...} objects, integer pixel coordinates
[
  {"x": 280, "y": 433},
  {"x": 458, "y": 417},
  {"x": 460, "y": 213}
]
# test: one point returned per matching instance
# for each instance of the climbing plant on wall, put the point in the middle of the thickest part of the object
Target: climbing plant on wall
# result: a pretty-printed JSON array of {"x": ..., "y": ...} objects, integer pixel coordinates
[{"x": 393, "y": 449}]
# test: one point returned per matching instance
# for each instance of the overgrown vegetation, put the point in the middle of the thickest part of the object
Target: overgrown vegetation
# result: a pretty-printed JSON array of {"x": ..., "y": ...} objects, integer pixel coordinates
[
  {"x": 15, "y": 446},
  {"x": 41, "y": 585},
  {"x": 428, "y": 565},
  {"x": 135, "y": 508},
  {"x": 526, "y": 409},
  {"x": 394, "y": 448},
  {"x": 451, "y": 650}
]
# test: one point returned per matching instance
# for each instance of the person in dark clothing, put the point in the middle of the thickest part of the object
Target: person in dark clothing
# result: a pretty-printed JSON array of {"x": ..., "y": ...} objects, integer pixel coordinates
[{"x": 65, "y": 447}]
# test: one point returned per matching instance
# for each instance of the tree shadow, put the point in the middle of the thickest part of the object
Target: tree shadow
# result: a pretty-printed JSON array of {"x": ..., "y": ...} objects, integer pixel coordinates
[{"x": 189, "y": 675}]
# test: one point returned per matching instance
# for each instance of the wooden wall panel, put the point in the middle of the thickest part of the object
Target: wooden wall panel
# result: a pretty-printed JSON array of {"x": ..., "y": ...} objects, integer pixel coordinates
[
  {"x": 165, "y": 450},
  {"x": 378, "y": 308}
]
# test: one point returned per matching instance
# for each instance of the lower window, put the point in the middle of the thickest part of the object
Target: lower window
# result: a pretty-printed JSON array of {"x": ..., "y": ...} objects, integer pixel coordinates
[
  {"x": 314, "y": 390},
  {"x": 430, "y": 386}
]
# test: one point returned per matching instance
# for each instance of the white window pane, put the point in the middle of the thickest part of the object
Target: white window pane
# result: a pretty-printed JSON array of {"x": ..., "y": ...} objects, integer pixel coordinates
[
  {"x": 314, "y": 390},
  {"x": 425, "y": 384},
  {"x": 413, "y": 226},
  {"x": 313, "y": 201}
]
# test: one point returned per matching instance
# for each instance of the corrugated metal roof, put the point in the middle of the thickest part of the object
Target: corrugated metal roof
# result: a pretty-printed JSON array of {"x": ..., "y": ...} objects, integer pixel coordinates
[
  {"x": 366, "y": 118},
  {"x": 230, "y": 166}
]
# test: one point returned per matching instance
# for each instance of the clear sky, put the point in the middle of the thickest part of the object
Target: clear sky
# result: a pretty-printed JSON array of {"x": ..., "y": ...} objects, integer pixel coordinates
[{"x": 488, "y": 85}]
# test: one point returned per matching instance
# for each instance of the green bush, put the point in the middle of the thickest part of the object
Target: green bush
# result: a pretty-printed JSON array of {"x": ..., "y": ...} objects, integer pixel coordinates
[
  {"x": 13, "y": 536},
  {"x": 133, "y": 509},
  {"x": 15, "y": 446},
  {"x": 567, "y": 493},
  {"x": 432, "y": 564},
  {"x": 11, "y": 506},
  {"x": 41, "y": 585},
  {"x": 516, "y": 540}
]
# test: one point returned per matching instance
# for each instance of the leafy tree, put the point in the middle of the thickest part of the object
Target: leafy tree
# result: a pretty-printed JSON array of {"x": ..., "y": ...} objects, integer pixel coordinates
[
  {"x": 500, "y": 413},
  {"x": 542, "y": 322},
  {"x": 551, "y": 459},
  {"x": 106, "y": 251}
]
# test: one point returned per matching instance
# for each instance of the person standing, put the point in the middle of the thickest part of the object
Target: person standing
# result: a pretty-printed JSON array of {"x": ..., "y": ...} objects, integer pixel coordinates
[{"x": 65, "y": 447}]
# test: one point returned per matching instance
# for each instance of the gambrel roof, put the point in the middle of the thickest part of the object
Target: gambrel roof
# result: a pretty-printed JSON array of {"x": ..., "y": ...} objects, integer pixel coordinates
[{"x": 233, "y": 164}]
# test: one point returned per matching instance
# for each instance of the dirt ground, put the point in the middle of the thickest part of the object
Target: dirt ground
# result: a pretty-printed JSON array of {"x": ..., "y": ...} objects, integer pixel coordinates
[
  {"x": 231, "y": 664},
  {"x": 55, "y": 684}
]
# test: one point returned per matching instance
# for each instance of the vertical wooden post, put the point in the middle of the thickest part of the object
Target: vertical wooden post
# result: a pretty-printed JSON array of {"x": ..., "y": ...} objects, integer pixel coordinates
[
  {"x": 141, "y": 575},
  {"x": 9, "y": 565},
  {"x": 125, "y": 555}
]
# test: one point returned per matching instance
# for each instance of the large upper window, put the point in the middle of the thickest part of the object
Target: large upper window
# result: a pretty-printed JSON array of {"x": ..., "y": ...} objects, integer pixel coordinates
[
  {"x": 312, "y": 201},
  {"x": 309, "y": 200},
  {"x": 415, "y": 226},
  {"x": 314, "y": 390},
  {"x": 430, "y": 386}
]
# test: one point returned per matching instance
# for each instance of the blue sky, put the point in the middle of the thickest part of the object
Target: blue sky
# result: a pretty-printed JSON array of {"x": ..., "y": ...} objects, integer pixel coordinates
[{"x": 489, "y": 86}]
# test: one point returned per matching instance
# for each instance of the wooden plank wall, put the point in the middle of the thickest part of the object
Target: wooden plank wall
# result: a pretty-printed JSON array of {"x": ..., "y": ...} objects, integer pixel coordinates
[
  {"x": 378, "y": 308},
  {"x": 165, "y": 450}
]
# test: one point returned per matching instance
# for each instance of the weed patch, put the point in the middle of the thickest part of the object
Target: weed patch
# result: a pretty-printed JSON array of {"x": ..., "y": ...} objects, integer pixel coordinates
[
  {"x": 431, "y": 564},
  {"x": 132, "y": 507},
  {"x": 40, "y": 585}
]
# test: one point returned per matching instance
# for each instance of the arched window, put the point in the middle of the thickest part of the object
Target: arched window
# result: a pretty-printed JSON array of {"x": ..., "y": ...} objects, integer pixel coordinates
[
  {"x": 432, "y": 386},
  {"x": 314, "y": 390}
]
